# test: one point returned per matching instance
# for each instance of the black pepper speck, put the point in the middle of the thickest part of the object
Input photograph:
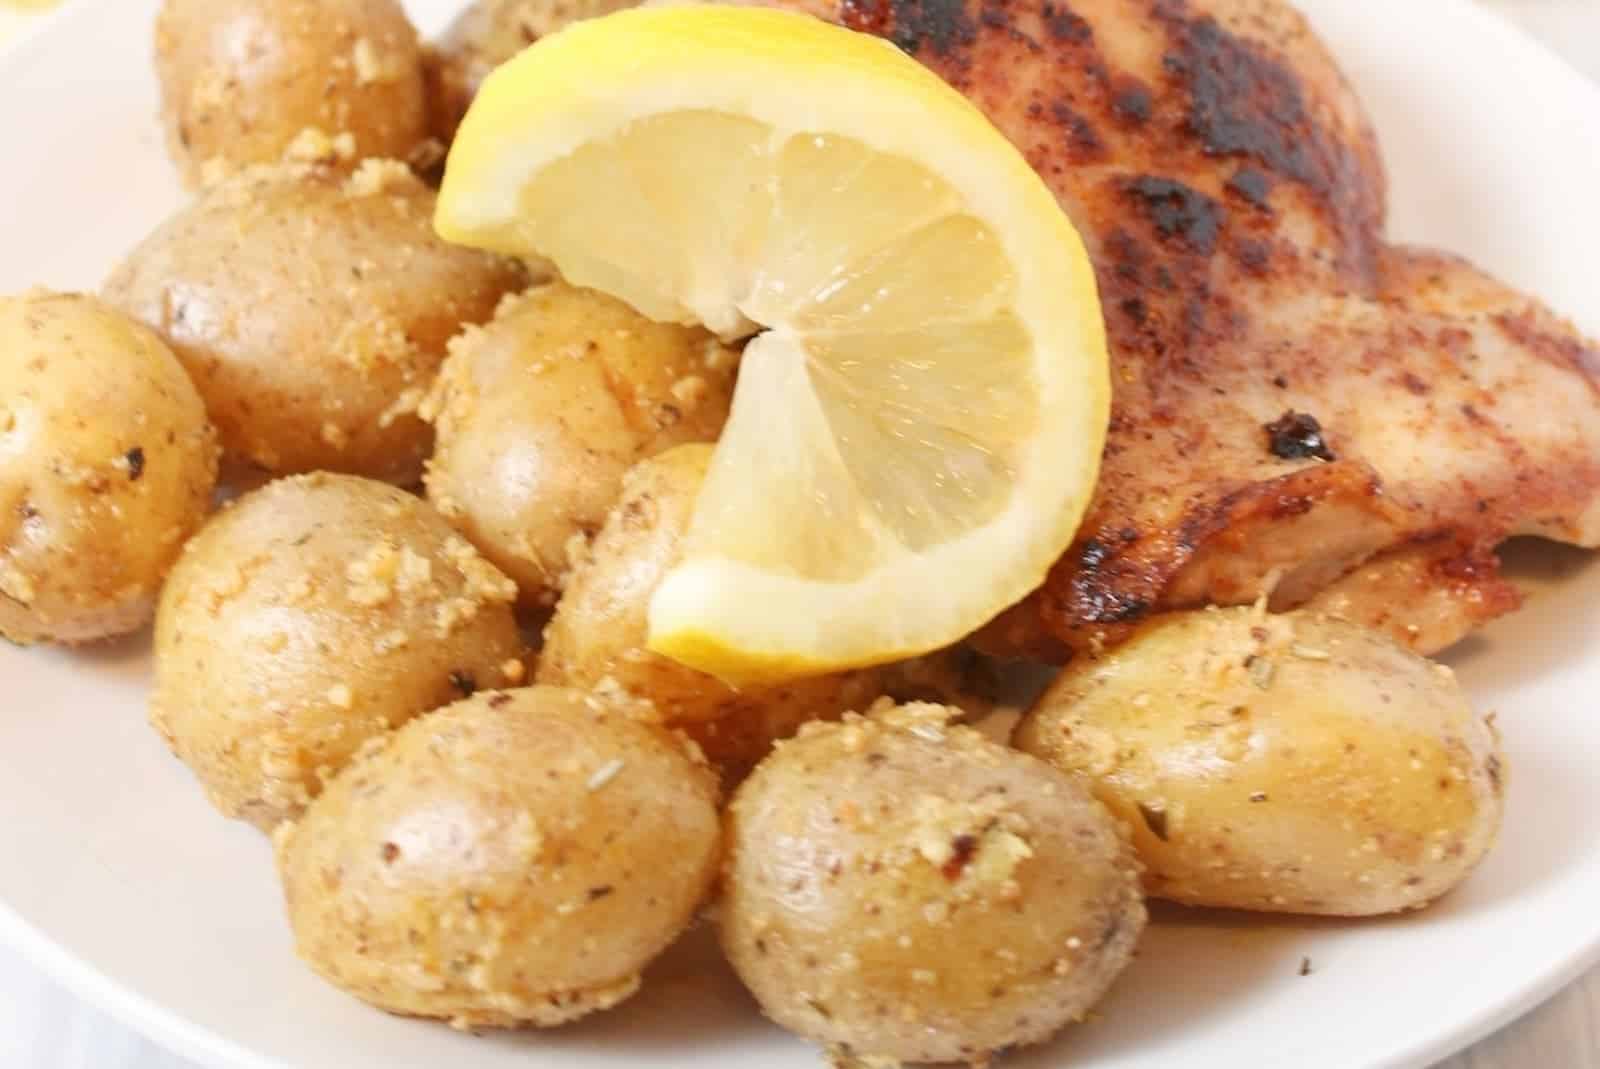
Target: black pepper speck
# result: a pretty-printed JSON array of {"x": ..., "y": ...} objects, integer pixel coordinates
[{"x": 1297, "y": 436}]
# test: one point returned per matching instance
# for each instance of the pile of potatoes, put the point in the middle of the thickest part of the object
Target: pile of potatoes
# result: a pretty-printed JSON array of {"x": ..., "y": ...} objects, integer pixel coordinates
[{"x": 429, "y": 454}]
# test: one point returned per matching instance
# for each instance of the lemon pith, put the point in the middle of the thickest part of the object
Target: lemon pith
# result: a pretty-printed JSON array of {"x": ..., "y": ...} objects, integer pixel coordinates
[{"x": 920, "y": 413}]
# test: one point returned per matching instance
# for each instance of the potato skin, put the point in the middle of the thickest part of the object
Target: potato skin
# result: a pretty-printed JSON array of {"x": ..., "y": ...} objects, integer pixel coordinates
[
  {"x": 244, "y": 81},
  {"x": 310, "y": 616},
  {"x": 1291, "y": 764},
  {"x": 485, "y": 35},
  {"x": 905, "y": 889},
  {"x": 541, "y": 411},
  {"x": 107, "y": 463},
  {"x": 514, "y": 859},
  {"x": 597, "y": 638},
  {"x": 312, "y": 311}
]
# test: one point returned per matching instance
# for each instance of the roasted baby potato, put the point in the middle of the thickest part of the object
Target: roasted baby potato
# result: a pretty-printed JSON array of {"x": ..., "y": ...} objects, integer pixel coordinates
[
  {"x": 596, "y": 640},
  {"x": 517, "y": 858},
  {"x": 312, "y": 310},
  {"x": 485, "y": 35},
  {"x": 107, "y": 463},
  {"x": 251, "y": 81},
  {"x": 311, "y": 616},
  {"x": 1293, "y": 764},
  {"x": 907, "y": 890},
  {"x": 540, "y": 412}
]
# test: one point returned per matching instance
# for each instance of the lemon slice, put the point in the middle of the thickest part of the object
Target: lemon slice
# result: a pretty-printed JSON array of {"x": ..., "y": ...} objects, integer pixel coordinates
[{"x": 922, "y": 405}]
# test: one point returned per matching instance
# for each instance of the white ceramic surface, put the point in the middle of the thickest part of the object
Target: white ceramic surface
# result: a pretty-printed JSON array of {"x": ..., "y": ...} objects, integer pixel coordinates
[{"x": 117, "y": 878}]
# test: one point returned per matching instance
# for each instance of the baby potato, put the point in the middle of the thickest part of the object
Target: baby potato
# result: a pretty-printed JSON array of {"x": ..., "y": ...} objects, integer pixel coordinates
[
  {"x": 517, "y": 858},
  {"x": 312, "y": 311},
  {"x": 107, "y": 463},
  {"x": 596, "y": 639},
  {"x": 907, "y": 890},
  {"x": 1292, "y": 764},
  {"x": 250, "y": 81},
  {"x": 485, "y": 35},
  {"x": 540, "y": 412},
  {"x": 308, "y": 617}
]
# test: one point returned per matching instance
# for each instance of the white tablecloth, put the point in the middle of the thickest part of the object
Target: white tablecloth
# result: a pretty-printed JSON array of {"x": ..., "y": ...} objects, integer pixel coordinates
[{"x": 44, "y": 1027}]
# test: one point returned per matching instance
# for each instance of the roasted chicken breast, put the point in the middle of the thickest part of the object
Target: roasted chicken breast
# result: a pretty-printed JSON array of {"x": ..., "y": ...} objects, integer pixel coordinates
[{"x": 1302, "y": 411}]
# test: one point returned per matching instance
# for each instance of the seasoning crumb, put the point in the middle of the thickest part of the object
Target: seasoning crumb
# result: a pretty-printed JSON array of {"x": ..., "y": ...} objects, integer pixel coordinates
[
  {"x": 376, "y": 177},
  {"x": 372, "y": 575},
  {"x": 513, "y": 670},
  {"x": 1259, "y": 796},
  {"x": 340, "y": 697},
  {"x": 718, "y": 357},
  {"x": 16, "y": 585},
  {"x": 605, "y": 774},
  {"x": 962, "y": 847},
  {"x": 391, "y": 641},
  {"x": 313, "y": 145},
  {"x": 365, "y": 58},
  {"x": 134, "y": 458},
  {"x": 595, "y": 894},
  {"x": 1297, "y": 436},
  {"x": 464, "y": 682},
  {"x": 1155, "y": 819},
  {"x": 690, "y": 390},
  {"x": 1305, "y": 967},
  {"x": 408, "y": 403}
]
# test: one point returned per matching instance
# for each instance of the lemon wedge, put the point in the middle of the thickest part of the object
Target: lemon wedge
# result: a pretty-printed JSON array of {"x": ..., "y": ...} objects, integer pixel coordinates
[{"x": 924, "y": 397}]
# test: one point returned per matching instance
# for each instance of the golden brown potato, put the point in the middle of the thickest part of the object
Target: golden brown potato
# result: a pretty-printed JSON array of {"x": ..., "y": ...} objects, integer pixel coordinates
[
  {"x": 312, "y": 311},
  {"x": 251, "y": 81},
  {"x": 517, "y": 858},
  {"x": 1294, "y": 764},
  {"x": 309, "y": 617},
  {"x": 596, "y": 640},
  {"x": 540, "y": 412},
  {"x": 107, "y": 463},
  {"x": 906, "y": 889},
  {"x": 485, "y": 35}
]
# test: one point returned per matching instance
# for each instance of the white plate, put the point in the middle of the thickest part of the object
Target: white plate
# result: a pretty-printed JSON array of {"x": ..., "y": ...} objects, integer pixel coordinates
[{"x": 117, "y": 877}]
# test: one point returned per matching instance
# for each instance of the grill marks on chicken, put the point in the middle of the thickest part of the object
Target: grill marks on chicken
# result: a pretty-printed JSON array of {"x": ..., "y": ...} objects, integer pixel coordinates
[{"x": 1231, "y": 193}]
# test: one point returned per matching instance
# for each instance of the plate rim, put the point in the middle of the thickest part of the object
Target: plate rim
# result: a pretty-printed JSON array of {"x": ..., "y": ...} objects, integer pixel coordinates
[
  {"x": 175, "y": 1032},
  {"x": 140, "y": 1013}
]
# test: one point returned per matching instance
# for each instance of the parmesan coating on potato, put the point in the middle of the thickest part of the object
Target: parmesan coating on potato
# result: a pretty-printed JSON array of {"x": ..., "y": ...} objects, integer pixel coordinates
[
  {"x": 1287, "y": 763},
  {"x": 310, "y": 617},
  {"x": 312, "y": 309},
  {"x": 247, "y": 82},
  {"x": 540, "y": 412},
  {"x": 901, "y": 888},
  {"x": 515, "y": 859},
  {"x": 107, "y": 463}
]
